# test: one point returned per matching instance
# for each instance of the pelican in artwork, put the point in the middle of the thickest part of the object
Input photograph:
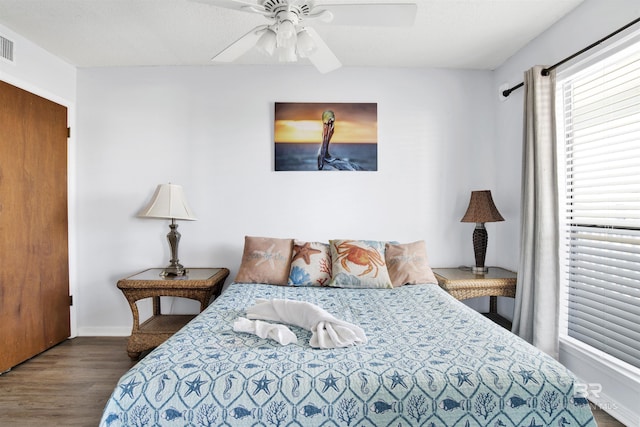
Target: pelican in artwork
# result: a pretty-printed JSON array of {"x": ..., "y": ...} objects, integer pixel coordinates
[{"x": 325, "y": 159}]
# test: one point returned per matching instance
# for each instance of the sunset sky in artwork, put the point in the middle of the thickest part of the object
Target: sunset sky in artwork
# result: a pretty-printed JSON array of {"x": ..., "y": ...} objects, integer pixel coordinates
[{"x": 302, "y": 122}]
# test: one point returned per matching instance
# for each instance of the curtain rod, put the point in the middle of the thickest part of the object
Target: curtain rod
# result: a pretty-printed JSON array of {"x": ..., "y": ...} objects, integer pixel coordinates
[{"x": 546, "y": 71}]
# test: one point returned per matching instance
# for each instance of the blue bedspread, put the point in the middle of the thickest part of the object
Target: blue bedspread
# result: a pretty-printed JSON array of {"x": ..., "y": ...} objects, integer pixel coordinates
[{"x": 429, "y": 361}]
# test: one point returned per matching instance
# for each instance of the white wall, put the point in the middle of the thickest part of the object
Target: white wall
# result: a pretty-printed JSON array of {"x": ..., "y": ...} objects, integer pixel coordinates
[
  {"x": 590, "y": 22},
  {"x": 210, "y": 129},
  {"x": 442, "y": 133},
  {"x": 37, "y": 71}
]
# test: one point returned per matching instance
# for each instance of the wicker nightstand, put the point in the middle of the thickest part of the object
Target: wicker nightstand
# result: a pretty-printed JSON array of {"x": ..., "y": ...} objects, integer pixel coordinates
[
  {"x": 463, "y": 284},
  {"x": 200, "y": 284}
]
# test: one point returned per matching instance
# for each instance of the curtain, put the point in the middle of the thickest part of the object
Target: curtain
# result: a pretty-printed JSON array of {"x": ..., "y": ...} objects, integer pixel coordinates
[{"x": 537, "y": 291}]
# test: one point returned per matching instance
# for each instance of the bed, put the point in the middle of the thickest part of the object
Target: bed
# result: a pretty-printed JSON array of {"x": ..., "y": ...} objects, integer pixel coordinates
[{"x": 429, "y": 360}]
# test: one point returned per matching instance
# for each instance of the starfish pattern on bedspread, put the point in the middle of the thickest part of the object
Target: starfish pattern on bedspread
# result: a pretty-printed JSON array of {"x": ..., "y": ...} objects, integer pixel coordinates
[
  {"x": 194, "y": 386},
  {"x": 429, "y": 361},
  {"x": 330, "y": 382},
  {"x": 127, "y": 388},
  {"x": 262, "y": 385},
  {"x": 397, "y": 379}
]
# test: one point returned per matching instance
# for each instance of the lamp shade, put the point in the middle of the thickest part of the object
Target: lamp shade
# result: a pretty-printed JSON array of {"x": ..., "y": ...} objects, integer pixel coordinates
[
  {"x": 168, "y": 202},
  {"x": 481, "y": 208}
]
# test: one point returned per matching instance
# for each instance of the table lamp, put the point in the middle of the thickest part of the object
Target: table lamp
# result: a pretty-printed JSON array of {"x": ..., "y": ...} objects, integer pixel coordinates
[
  {"x": 168, "y": 202},
  {"x": 481, "y": 209}
]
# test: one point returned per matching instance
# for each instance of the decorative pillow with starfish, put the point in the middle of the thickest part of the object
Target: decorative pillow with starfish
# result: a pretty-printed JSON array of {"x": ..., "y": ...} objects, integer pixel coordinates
[
  {"x": 408, "y": 264},
  {"x": 310, "y": 264},
  {"x": 265, "y": 260}
]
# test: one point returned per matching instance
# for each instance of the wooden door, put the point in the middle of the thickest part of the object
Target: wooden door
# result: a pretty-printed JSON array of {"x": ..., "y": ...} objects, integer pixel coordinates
[{"x": 34, "y": 267}]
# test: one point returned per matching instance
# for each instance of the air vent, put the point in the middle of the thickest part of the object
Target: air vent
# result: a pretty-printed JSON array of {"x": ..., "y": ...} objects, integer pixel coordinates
[{"x": 6, "y": 49}]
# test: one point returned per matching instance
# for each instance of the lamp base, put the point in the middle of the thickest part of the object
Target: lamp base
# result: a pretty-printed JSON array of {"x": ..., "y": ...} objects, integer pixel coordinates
[
  {"x": 479, "y": 270},
  {"x": 174, "y": 270},
  {"x": 480, "y": 239}
]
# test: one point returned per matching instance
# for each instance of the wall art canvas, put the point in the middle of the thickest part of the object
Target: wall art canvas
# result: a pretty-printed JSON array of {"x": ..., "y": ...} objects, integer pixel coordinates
[{"x": 314, "y": 136}]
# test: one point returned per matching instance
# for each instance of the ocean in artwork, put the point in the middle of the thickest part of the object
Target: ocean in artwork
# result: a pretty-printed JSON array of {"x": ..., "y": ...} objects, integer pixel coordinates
[{"x": 304, "y": 157}]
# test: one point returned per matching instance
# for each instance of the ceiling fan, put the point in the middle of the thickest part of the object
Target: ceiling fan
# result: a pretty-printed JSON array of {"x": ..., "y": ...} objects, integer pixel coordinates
[{"x": 286, "y": 35}]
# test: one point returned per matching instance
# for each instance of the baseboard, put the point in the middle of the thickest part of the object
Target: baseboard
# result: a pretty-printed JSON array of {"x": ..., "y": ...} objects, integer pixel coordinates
[
  {"x": 619, "y": 412},
  {"x": 610, "y": 387},
  {"x": 104, "y": 332}
]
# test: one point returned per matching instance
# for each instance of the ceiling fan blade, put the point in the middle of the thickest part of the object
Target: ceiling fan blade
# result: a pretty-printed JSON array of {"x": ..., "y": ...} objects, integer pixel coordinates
[
  {"x": 323, "y": 58},
  {"x": 240, "y": 46},
  {"x": 244, "y": 6},
  {"x": 371, "y": 14}
]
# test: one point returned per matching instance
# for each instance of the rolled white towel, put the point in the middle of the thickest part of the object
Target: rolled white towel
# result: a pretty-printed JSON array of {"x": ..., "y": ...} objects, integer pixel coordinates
[
  {"x": 326, "y": 330},
  {"x": 279, "y": 333}
]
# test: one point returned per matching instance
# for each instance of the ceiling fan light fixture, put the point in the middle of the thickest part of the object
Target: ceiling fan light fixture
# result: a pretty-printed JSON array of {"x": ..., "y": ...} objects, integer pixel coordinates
[
  {"x": 286, "y": 33},
  {"x": 267, "y": 42},
  {"x": 305, "y": 44},
  {"x": 287, "y": 54},
  {"x": 293, "y": 39}
]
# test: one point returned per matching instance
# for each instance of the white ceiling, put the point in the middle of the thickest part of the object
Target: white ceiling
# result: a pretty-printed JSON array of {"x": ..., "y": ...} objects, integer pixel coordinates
[{"x": 471, "y": 34}]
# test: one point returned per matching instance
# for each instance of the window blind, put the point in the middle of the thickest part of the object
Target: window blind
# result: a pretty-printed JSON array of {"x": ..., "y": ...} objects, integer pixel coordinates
[{"x": 601, "y": 209}]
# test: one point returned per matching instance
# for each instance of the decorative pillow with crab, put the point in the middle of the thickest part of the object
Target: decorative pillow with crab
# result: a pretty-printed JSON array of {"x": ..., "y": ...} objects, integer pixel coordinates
[
  {"x": 358, "y": 264},
  {"x": 310, "y": 264}
]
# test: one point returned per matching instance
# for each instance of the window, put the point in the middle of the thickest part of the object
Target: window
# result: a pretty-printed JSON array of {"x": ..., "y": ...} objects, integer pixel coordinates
[{"x": 599, "y": 140}]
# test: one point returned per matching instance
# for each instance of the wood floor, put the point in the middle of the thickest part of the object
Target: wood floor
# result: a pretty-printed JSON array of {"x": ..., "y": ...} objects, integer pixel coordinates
[{"x": 69, "y": 385}]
